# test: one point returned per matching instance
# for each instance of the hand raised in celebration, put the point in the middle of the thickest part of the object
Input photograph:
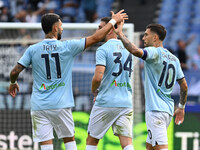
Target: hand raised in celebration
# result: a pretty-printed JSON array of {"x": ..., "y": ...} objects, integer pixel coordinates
[{"x": 120, "y": 16}]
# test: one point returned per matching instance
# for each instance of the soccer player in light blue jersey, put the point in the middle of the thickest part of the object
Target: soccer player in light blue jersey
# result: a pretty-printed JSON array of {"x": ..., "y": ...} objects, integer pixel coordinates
[
  {"x": 162, "y": 69},
  {"x": 113, "y": 103},
  {"x": 52, "y": 97}
]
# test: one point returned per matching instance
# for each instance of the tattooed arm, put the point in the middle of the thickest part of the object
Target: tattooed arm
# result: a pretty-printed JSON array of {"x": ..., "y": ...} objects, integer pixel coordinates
[
  {"x": 183, "y": 91},
  {"x": 13, "y": 78},
  {"x": 132, "y": 48},
  {"x": 180, "y": 112},
  {"x": 98, "y": 75}
]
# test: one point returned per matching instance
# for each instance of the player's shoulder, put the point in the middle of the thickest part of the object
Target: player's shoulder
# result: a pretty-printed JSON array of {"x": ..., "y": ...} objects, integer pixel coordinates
[
  {"x": 103, "y": 47},
  {"x": 35, "y": 46},
  {"x": 110, "y": 44},
  {"x": 151, "y": 49},
  {"x": 166, "y": 53}
]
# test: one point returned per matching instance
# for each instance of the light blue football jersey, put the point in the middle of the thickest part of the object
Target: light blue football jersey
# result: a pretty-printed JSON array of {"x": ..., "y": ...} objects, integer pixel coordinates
[
  {"x": 115, "y": 88},
  {"x": 162, "y": 69},
  {"x": 52, "y": 62}
]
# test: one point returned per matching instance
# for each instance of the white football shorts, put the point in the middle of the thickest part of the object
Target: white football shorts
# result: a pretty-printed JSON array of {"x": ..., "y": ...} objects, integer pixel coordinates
[
  {"x": 44, "y": 121},
  {"x": 157, "y": 124},
  {"x": 101, "y": 119}
]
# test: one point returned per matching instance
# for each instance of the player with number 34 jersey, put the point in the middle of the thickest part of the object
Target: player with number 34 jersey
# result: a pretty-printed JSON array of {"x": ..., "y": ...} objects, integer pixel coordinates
[{"x": 116, "y": 79}]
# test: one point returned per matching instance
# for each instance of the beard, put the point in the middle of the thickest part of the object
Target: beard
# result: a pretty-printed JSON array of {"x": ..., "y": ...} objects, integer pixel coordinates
[
  {"x": 103, "y": 40},
  {"x": 59, "y": 36}
]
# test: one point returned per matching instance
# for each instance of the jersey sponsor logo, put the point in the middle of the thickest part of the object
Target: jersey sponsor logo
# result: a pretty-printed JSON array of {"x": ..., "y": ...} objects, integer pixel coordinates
[
  {"x": 166, "y": 95},
  {"x": 43, "y": 86},
  {"x": 125, "y": 84},
  {"x": 51, "y": 87}
]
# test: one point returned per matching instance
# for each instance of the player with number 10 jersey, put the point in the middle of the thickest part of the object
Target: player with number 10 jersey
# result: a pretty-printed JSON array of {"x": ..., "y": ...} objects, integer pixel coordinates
[{"x": 161, "y": 69}]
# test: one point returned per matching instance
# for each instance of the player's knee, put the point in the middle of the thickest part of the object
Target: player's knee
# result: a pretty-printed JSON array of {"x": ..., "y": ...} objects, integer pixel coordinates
[
  {"x": 91, "y": 140},
  {"x": 68, "y": 139},
  {"x": 128, "y": 147}
]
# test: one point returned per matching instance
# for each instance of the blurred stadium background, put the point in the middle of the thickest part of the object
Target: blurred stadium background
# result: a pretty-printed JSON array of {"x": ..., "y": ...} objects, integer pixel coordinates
[{"x": 19, "y": 27}]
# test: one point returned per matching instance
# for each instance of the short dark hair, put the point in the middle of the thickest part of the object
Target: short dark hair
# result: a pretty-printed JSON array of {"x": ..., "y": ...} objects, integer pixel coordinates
[
  {"x": 48, "y": 21},
  {"x": 107, "y": 19},
  {"x": 158, "y": 29}
]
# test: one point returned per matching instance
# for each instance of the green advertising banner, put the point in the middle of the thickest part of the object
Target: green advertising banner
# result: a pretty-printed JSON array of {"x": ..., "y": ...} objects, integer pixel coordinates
[
  {"x": 111, "y": 142},
  {"x": 186, "y": 136},
  {"x": 182, "y": 137}
]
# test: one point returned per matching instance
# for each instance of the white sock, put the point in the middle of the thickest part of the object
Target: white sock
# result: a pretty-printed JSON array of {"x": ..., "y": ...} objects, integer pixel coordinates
[
  {"x": 128, "y": 147},
  {"x": 91, "y": 147},
  {"x": 47, "y": 147},
  {"x": 71, "y": 145},
  {"x": 164, "y": 149}
]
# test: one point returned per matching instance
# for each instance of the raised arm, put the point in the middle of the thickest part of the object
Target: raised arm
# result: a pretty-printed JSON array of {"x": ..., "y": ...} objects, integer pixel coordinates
[
  {"x": 100, "y": 34},
  {"x": 132, "y": 48},
  {"x": 13, "y": 80},
  {"x": 180, "y": 111}
]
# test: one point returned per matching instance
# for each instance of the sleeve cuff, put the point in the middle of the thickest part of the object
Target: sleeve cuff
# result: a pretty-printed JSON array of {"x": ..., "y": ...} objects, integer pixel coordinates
[
  {"x": 144, "y": 54},
  {"x": 100, "y": 65},
  {"x": 179, "y": 79},
  {"x": 21, "y": 65}
]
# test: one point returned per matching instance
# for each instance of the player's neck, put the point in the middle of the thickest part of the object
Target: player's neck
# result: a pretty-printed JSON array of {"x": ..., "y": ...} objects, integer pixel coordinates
[
  {"x": 110, "y": 37},
  {"x": 158, "y": 44},
  {"x": 50, "y": 36}
]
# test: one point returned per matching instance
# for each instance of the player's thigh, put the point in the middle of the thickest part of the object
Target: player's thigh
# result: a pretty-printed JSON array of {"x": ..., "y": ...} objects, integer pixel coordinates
[
  {"x": 160, "y": 147},
  {"x": 124, "y": 124},
  {"x": 101, "y": 119},
  {"x": 157, "y": 124},
  {"x": 149, "y": 146},
  {"x": 42, "y": 128},
  {"x": 62, "y": 122}
]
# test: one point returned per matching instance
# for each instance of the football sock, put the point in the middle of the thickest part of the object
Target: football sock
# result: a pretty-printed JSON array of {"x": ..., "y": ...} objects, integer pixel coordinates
[{"x": 47, "y": 147}]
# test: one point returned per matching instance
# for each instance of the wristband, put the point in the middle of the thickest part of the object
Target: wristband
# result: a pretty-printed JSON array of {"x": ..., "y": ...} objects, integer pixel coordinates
[
  {"x": 13, "y": 83},
  {"x": 112, "y": 21},
  {"x": 181, "y": 106}
]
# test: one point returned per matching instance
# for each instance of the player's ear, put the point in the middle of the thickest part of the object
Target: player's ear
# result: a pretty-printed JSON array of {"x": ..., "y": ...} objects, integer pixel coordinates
[
  {"x": 155, "y": 37},
  {"x": 55, "y": 28}
]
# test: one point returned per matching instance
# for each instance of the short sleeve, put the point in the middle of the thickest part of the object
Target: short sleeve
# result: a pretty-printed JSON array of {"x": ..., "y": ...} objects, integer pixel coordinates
[
  {"x": 101, "y": 57},
  {"x": 151, "y": 53},
  {"x": 25, "y": 60},
  {"x": 180, "y": 74},
  {"x": 76, "y": 46}
]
